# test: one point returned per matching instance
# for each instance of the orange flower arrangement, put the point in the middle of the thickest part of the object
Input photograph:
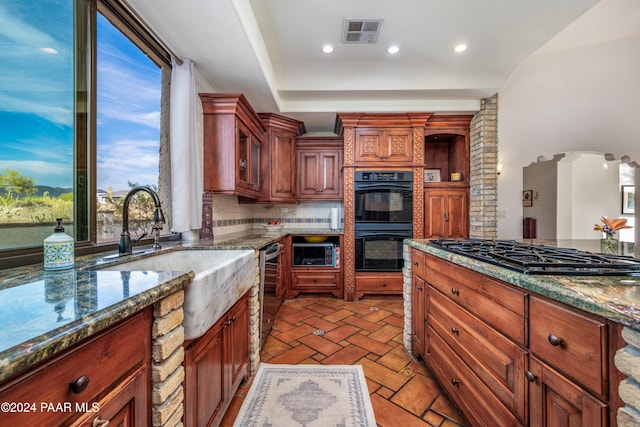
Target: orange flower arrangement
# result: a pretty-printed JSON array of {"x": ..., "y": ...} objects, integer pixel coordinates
[{"x": 611, "y": 226}]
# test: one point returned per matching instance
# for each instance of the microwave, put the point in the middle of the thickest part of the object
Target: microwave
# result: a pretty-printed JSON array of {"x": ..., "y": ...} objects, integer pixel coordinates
[{"x": 314, "y": 254}]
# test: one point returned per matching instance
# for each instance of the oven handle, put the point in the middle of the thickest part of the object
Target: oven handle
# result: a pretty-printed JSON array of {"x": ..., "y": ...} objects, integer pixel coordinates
[
  {"x": 271, "y": 252},
  {"x": 400, "y": 234},
  {"x": 360, "y": 186}
]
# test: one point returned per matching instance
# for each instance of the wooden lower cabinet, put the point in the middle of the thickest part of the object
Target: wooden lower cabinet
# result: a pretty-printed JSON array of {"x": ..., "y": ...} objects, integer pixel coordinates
[
  {"x": 418, "y": 291},
  {"x": 378, "y": 284},
  {"x": 315, "y": 280},
  {"x": 446, "y": 213},
  {"x": 103, "y": 379},
  {"x": 557, "y": 402},
  {"x": 509, "y": 357},
  {"x": 215, "y": 365}
]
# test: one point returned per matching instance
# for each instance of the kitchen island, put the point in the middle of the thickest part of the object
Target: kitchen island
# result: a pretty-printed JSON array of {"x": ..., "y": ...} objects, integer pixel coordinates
[{"x": 532, "y": 346}]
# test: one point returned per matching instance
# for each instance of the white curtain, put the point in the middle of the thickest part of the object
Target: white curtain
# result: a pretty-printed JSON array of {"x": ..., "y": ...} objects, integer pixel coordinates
[{"x": 186, "y": 173}]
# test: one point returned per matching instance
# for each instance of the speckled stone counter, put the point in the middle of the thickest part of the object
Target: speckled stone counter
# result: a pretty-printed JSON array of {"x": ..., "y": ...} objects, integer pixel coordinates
[{"x": 613, "y": 297}]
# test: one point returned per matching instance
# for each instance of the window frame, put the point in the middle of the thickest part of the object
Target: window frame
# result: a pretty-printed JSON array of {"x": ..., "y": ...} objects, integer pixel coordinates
[{"x": 85, "y": 119}]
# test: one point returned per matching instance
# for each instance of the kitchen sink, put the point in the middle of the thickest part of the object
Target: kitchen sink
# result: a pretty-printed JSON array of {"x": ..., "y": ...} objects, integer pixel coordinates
[{"x": 221, "y": 278}]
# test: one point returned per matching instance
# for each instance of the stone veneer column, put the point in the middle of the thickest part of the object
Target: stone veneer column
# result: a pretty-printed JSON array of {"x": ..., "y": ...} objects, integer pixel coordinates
[
  {"x": 254, "y": 321},
  {"x": 167, "y": 357},
  {"x": 483, "y": 221},
  {"x": 627, "y": 361},
  {"x": 406, "y": 296}
]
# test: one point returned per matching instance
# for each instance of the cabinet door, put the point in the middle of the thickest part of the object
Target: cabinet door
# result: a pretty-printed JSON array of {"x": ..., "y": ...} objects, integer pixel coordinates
[
  {"x": 243, "y": 153},
  {"x": 384, "y": 145},
  {"x": 446, "y": 213},
  {"x": 434, "y": 210},
  {"x": 398, "y": 145},
  {"x": 330, "y": 165},
  {"x": 205, "y": 378},
  {"x": 125, "y": 405},
  {"x": 418, "y": 315},
  {"x": 456, "y": 216},
  {"x": 237, "y": 337},
  {"x": 283, "y": 170},
  {"x": 556, "y": 402},
  {"x": 254, "y": 163},
  {"x": 319, "y": 174}
]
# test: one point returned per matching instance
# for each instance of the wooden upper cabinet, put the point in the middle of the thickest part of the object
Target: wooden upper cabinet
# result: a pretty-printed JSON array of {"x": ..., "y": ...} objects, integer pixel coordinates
[
  {"x": 279, "y": 158},
  {"x": 384, "y": 145},
  {"x": 319, "y": 168},
  {"x": 233, "y": 139}
]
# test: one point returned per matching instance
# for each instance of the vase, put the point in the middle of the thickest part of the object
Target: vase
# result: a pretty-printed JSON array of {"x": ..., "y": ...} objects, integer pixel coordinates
[{"x": 609, "y": 245}]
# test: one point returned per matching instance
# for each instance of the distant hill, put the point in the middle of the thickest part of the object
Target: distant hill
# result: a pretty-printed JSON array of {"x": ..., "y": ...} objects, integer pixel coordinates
[{"x": 53, "y": 191}]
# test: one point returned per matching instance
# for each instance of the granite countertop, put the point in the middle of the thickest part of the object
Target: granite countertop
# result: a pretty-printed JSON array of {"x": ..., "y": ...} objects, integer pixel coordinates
[
  {"x": 614, "y": 297},
  {"x": 44, "y": 313}
]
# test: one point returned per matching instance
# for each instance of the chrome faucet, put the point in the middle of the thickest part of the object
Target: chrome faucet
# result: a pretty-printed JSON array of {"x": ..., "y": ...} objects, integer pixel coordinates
[{"x": 125, "y": 247}]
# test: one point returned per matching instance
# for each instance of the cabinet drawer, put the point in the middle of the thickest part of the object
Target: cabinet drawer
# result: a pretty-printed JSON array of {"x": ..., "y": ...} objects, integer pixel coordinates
[
  {"x": 103, "y": 361},
  {"x": 417, "y": 262},
  {"x": 497, "y": 361},
  {"x": 570, "y": 342},
  {"x": 379, "y": 284},
  {"x": 315, "y": 278},
  {"x": 498, "y": 305},
  {"x": 466, "y": 390}
]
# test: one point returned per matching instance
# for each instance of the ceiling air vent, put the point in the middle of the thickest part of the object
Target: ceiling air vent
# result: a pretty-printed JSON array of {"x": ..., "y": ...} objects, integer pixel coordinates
[{"x": 361, "y": 30}]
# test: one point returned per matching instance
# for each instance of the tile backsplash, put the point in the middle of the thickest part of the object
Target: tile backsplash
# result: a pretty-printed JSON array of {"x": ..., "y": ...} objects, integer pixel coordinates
[{"x": 229, "y": 216}]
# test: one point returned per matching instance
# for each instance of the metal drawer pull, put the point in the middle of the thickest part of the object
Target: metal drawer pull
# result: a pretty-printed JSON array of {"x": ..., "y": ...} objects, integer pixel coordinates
[
  {"x": 554, "y": 340},
  {"x": 530, "y": 377},
  {"x": 79, "y": 385},
  {"x": 99, "y": 422},
  {"x": 455, "y": 382},
  {"x": 455, "y": 291},
  {"x": 454, "y": 330}
]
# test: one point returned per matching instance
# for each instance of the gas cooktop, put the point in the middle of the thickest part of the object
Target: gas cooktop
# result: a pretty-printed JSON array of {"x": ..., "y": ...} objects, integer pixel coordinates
[{"x": 541, "y": 259}]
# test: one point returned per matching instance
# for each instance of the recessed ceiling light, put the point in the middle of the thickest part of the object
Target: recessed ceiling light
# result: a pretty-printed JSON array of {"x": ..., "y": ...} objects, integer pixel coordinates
[
  {"x": 327, "y": 48},
  {"x": 393, "y": 49},
  {"x": 460, "y": 48}
]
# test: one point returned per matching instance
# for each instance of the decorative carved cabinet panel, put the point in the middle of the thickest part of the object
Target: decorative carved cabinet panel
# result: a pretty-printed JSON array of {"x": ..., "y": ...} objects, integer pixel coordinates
[{"x": 384, "y": 145}]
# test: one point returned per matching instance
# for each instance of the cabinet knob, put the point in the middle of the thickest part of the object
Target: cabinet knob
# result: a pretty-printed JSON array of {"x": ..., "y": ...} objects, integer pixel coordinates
[
  {"x": 446, "y": 217},
  {"x": 454, "y": 330},
  {"x": 384, "y": 284},
  {"x": 415, "y": 263},
  {"x": 554, "y": 340},
  {"x": 455, "y": 382},
  {"x": 233, "y": 319},
  {"x": 79, "y": 385},
  {"x": 530, "y": 377},
  {"x": 455, "y": 291},
  {"x": 315, "y": 280},
  {"x": 99, "y": 422},
  {"x": 419, "y": 288}
]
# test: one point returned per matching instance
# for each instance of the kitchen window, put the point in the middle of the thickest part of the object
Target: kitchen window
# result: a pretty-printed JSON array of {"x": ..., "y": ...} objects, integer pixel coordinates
[{"x": 81, "y": 117}]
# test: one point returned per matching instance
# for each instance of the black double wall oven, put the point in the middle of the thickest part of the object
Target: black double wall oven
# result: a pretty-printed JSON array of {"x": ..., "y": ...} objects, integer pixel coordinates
[{"x": 383, "y": 218}]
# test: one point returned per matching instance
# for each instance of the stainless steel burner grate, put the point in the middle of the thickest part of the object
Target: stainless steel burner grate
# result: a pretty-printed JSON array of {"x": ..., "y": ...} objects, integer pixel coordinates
[{"x": 541, "y": 259}]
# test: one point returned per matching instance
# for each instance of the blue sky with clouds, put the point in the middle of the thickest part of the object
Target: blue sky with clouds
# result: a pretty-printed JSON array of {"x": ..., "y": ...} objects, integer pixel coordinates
[{"x": 36, "y": 99}]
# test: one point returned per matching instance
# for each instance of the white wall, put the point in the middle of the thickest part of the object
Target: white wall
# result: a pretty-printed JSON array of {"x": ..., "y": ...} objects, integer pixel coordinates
[{"x": 580, "y": 92}]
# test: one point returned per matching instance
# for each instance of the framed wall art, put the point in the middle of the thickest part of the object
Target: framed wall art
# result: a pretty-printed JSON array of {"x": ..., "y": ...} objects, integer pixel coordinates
[
  {"x": 432, "y": 175},
  {"x": 527, "y": 198},
  {"x": 628, "y": 199}
]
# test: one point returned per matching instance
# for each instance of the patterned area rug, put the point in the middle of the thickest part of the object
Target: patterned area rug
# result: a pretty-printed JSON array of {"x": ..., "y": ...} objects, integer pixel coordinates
[{"x": 307, "y": 396}]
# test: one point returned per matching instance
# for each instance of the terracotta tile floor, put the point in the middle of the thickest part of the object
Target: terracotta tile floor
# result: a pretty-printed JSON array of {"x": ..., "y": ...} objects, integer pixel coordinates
[{"x": 369, "y": 333}]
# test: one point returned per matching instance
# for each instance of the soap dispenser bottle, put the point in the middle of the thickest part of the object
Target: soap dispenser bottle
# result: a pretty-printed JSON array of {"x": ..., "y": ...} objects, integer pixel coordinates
[{"x": 58, "y": 249}]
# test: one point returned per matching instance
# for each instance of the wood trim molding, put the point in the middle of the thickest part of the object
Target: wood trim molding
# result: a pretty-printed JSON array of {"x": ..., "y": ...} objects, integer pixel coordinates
[{"x": 349, "y": 247}]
